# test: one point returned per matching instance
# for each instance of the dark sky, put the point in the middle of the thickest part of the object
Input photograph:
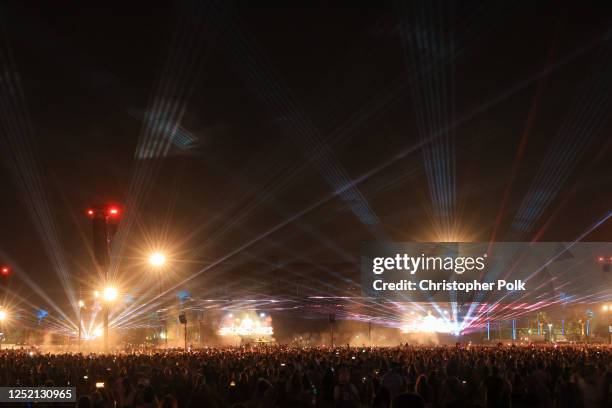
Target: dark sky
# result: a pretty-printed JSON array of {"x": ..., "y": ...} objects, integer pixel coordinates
[{"x": 280, "y": 108}]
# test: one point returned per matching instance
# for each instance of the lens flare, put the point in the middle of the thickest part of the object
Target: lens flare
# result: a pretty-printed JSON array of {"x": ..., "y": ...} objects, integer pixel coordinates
[
  {"x": 157, "y": 259},
  {"x": 110, "y": 294}
]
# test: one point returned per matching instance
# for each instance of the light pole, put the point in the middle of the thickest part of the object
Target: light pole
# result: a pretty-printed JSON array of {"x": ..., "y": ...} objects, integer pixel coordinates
[
  {"x": 110, "y": 294},
  {"x": 157, "y": 260},
  {"x": 332, "y": 320},
  {"x": 81, "y": 305},
  {"x": 608, "y": 309}
]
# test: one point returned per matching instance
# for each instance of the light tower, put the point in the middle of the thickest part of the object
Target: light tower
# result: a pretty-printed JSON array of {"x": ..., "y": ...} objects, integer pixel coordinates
[
  {"x": 105, "y": 219},
  {"x": 81, "y": 306}
]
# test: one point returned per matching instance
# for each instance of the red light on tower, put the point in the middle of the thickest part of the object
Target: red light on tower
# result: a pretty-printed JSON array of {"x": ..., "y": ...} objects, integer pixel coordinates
[
  {"x": 105, "y": 211},
  {"x": 5, "y": 270}
]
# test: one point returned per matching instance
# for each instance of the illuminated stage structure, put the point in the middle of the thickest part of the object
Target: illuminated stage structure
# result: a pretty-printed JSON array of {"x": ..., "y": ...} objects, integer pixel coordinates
[
  {"x": 248, "y": 327},
  {"x": 104, "y": 220},
  {"x": 301, "y": 307},
  {"x": 232, "y": 313},
  {"x": 428, "y": 324}
]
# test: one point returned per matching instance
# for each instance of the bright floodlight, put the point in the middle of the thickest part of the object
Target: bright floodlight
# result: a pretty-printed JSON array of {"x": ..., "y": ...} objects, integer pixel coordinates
[
  {"x": 81, "y": 303},
  {"x": 157, "y": 259},
  {"x": 110, "y": 294},
  {"x": 2, "y": 315},
  {"x": 605, "y": 308}
]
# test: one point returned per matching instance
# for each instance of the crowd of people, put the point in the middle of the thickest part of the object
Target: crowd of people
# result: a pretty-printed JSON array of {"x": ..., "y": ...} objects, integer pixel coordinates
[{"x": 343, "y": 377}]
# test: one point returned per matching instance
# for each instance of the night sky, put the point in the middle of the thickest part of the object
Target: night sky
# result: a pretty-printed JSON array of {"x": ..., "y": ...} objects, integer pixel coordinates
[{"x": 238, "y": 135}]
